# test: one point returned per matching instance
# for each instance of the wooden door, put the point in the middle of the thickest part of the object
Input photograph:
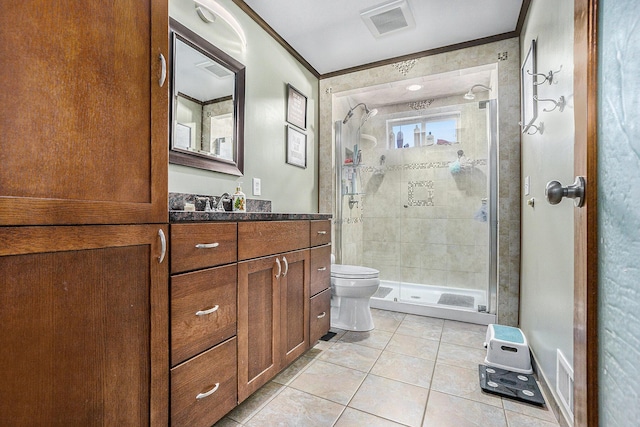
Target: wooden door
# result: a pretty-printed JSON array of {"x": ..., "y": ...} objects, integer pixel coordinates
[
  {"x": 83, "y": 117},
  {"x": 585, "y": 336},
  {"x": 294, "y": 305},
  {"x": 258, "y": 324},
  {"x": 83, "y": 320}
]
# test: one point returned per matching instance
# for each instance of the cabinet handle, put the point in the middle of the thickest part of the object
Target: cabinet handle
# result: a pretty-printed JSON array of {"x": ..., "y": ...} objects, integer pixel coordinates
[
  {"x": 286, "y": 266},
  {"x": 322, "y": 232},
  {"x": 163, "y": 70},
  {"x": 207, "y": 245},
  {"x": 163, "y": 246},
  {"x": 208, "y": 393},
  {"x": 279, "y": 268},
  {"x": 321, "y": 315},
  {"x": 322, "y": 269},
  {"x": 209, "y": 311}
]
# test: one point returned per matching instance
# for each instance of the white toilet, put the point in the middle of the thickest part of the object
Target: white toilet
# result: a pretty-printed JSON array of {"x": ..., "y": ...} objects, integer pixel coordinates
[{"x": 352, "y": 287}]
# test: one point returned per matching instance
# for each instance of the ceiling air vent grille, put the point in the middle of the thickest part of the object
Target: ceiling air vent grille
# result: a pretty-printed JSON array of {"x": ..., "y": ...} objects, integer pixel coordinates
[
  {"x": 388, "y": 18},
  {"x": 214, "y": 68}
]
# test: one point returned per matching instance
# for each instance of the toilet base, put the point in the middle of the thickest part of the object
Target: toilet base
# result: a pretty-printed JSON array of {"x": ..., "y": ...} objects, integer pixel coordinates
[{"x": 351, "y": 314}]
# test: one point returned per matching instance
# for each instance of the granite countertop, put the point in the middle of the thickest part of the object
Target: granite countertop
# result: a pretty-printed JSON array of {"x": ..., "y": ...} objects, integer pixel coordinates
[{"x": 182, "y": 216}]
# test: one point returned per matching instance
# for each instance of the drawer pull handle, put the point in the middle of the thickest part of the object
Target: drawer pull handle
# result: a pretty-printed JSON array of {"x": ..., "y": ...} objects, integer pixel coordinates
[
  {"x": 322, "y": 269},
  {"x": 209, "y": 311},
  {"x": 322, "y": 232},
  {"x": 208, "y": 393},
  {"x": 321, "y": 315},
  {"x": 207, "y": 245}
]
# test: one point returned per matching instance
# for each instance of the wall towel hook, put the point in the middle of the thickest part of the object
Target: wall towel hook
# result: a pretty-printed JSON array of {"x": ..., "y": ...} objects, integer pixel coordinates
[
  {"x": 545, "y": 77},
  {"x": 538, "y": 129},
  {"x": 559, "y": 104}
]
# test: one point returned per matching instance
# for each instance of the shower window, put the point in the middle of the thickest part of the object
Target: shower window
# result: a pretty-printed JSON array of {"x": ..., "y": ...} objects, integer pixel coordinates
[{"x": 440, "y": 129}]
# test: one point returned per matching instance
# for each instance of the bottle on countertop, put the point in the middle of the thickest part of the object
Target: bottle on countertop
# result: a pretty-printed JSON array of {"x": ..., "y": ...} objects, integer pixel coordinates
[{"x": 239, "y": 200}]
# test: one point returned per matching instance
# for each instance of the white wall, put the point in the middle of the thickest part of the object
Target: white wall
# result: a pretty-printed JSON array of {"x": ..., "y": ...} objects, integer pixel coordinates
[
  {"x": 268, "y": 70},
  {"x": 546, "y": 294},
  {"x": 619, "y": 212}
]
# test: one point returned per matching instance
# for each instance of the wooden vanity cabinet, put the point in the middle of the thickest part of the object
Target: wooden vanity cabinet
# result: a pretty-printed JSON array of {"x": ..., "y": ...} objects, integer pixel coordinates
[
  {"x": 83, "y": 323},
  {"x": 273, "y": 299},
  {"x": 203, "y": 311},
  {"x": 320, "y": 287}
]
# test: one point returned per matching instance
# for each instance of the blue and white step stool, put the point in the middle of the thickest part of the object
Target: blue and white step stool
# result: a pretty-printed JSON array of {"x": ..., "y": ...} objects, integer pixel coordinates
[{"x": 507, "y": 348}]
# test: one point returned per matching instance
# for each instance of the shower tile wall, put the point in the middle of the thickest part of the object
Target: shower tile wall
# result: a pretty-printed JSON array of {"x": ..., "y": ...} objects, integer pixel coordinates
[
  {"x": 418, "y": 217},
  {"x": 508, "y": 89}
]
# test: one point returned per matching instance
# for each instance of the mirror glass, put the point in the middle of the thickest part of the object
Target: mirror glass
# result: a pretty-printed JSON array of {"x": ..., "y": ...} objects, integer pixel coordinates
[{"x": 207, "y": 109}]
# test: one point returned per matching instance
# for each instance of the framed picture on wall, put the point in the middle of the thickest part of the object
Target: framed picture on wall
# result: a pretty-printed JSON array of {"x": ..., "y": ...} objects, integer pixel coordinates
[
  {"x": 529, "y": 107},
  {"x": 296, "y": 147},
  {"x": 296, "y": 107}
]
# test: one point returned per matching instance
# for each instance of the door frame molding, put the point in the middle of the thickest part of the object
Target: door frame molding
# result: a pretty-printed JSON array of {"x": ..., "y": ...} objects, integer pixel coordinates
[{"x": 585, "y": 317}]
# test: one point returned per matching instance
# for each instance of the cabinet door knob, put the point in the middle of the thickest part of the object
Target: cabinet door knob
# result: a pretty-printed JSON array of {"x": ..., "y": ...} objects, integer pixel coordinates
[
  {"x": 321, "y": 315},
  {"x": 207, "y": 245},
  {"x": 322, "y": 232},
  {"x": 322, "y": 269},
  {"x": 208, "y": 311},
  {"x": 208, "y": 393},
  {"x": 286, "y": 266}
]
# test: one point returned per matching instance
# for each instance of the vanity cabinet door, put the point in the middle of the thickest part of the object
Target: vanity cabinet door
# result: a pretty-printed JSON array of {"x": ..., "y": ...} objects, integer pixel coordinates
[
  {"x": 83, "y": 116},
  {"x": 259, "y": 357},
  {"x": 294, "y": 305},
  {"x": 83, "y": 326}
]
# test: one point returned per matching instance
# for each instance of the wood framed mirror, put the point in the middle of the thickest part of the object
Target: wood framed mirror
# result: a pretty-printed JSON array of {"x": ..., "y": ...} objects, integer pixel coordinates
[{"x": 207, "y": 105}]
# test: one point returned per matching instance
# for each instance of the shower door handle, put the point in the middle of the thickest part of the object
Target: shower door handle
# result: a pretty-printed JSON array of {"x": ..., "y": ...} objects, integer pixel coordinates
[{"x": 555, "y": 192}]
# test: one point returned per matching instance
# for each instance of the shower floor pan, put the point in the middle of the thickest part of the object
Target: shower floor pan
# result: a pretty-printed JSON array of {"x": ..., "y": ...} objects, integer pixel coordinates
[{"x": 436, "y": 301}]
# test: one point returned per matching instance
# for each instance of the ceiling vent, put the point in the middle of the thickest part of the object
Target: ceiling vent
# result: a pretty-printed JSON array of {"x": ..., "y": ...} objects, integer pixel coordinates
[
  {"x": 214, "y": 68},
  {"x": 388, "y": 18}
]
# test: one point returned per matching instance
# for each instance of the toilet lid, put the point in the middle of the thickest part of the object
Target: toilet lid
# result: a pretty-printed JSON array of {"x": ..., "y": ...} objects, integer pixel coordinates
[{"x": 353, "y": 272}]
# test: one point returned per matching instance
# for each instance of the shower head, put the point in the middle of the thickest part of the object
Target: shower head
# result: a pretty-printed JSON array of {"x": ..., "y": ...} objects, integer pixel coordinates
[
  {"x": 470, "y": 95},
  {"x": 368, "y": 113}
]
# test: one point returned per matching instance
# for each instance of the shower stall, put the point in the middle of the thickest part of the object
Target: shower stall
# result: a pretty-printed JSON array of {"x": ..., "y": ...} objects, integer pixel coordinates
[{"x": 416, "y": 199}]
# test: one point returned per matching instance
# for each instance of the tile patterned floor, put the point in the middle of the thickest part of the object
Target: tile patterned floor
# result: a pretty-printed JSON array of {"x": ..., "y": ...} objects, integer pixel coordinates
[{"x": 410, "y": 371}]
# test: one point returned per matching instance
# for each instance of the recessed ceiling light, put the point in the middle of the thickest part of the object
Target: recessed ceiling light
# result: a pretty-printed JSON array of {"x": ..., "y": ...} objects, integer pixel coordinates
[{"x": 413, "y": 88}]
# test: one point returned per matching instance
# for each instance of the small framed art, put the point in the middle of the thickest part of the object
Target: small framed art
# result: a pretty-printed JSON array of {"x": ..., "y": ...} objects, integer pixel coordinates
[
  {"x": 296, "y": 107},
  {"x": 296, "y": 147}
]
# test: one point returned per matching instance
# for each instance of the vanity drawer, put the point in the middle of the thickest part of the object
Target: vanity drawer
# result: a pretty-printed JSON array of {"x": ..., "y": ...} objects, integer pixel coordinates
[
  {"x": 320, "y": 233},
  {"x": 203, "y": 310},
  {"x": 205, "y": 388},
  {"x": 320, "y": 316},
  {"x": 320, "y": 269},
  {"x": 202, "y": 245},
  {"x": 262, "y": 238}
]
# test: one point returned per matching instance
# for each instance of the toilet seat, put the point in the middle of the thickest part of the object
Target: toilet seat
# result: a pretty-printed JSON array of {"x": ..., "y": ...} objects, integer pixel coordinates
[{"x": 340, "y": 271}]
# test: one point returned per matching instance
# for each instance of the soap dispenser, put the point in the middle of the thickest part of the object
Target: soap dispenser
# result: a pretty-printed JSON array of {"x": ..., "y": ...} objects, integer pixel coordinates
[{"x": 239, "y": 200}]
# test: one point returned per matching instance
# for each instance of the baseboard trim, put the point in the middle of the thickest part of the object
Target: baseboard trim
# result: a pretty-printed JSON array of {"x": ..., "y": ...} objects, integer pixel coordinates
[{"x": 549, "y": 392}]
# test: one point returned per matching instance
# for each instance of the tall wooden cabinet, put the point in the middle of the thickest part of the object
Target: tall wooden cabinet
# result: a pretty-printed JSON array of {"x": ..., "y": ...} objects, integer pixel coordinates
[
  {"x": 83, "y": 213},
  {"x": 84, "y": 326},
  {"x": 83, "y": 118}
]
